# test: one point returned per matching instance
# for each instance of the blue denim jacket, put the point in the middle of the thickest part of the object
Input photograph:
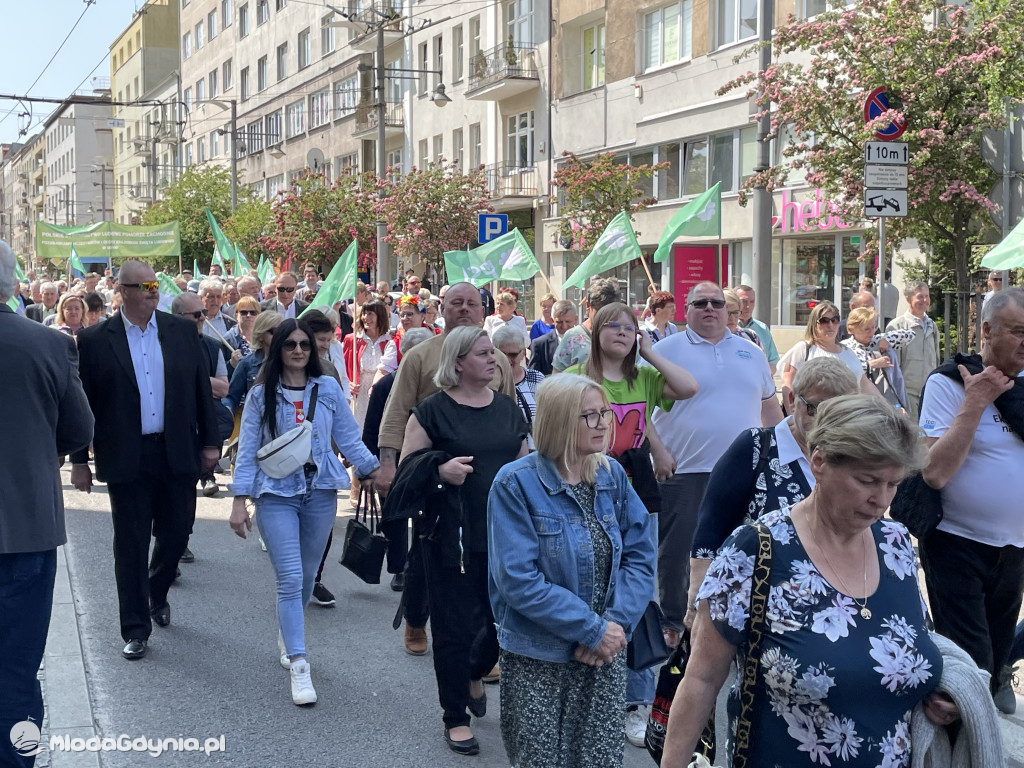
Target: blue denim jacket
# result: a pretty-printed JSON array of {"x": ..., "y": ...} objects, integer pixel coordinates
[
  {"x": 541, "y": 560},
  {"x": 332, "y": 419}
]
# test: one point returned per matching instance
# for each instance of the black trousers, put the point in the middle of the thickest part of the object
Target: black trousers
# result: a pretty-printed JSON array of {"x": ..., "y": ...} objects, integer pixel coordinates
[
  {"x": 417, "y": 605},
  {"x": 461, "y": 627},
  {"x": 157, "y": 505},
  {"x": 975, "y": 594}
]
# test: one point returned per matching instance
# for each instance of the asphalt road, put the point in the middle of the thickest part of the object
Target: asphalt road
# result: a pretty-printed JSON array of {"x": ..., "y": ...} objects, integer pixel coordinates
[{"x": 215, "y": 670}]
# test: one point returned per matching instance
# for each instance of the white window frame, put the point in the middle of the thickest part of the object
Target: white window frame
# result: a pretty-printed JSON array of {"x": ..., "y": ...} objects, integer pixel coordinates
[
  {"x": 254, "y": 136},
  {"x": 243, "y": 21},
  {"x": 186, "y": 45},
  {"x": 346, "y": 96},
  {"x": 320, "y": 108},
  {"x": 295, "y": 119},
  {"x": 262, "y": 73},
  {"x": 227, "y": 76},
  {"x": 214, "y": 83},
  {"x": 225, "y": 14},
  {"x": 200, "y": 91},
  {"x": 519, "y": 22},
  {"x": 262, "y": 12},
  {"x": 282, "y": 61},
  {"x": 304, "y": 49},
  {"x": 593, "y": 58},
  {"x": 658, "y": 24},
  {"x": 731, "y": 36},
  {"x": 458, "y": 147},
  {"x": 458, "y": 53},
  {"x": 200, "y": 34},
  {"x": 272, "y": 128},
  {"x": 327, "y": 37},
  {"x": 211, "y": 24},
  {"x": 214, "y": 144},
  {"x": 476, "y": 149},
  {"x": 515, "y": 134}
]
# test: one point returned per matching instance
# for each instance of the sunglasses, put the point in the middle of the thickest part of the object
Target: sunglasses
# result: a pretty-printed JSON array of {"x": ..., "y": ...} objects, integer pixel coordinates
[
  {"x": 290, "y": 345},
  {"x": 828, "y": 320},
  {"x": 194, "y": 315},
  {"x": 812, "y": 408},
  {"x": 148, "y": 285},
  {"x": 247, "y": 312},
  {"x": 282, "y": 289},
  {"x": 703, "y": 303}
]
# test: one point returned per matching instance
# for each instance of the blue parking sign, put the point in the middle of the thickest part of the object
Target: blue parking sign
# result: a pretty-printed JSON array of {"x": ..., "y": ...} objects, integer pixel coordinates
[{"x": 491, "y": 226}]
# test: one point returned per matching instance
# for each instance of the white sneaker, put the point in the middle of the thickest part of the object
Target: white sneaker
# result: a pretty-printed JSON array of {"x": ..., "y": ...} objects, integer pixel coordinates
[
  {"x": 285, "y": 661},
  {"x": 303, "y": 692},
  {"x": 263, "y": 544},
  {"x": 636, "y": 725}
]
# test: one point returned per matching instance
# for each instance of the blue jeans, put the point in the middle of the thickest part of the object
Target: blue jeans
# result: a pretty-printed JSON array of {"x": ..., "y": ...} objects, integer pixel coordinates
[
  {"x": 26, "y": 599},
  {"x": 295, "y": 530},
  {"x": 640, "y": 687}
]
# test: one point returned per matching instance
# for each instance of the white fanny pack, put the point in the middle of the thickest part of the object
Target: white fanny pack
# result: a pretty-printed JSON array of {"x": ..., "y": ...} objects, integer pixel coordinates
[{"x": 291, "y": 451}]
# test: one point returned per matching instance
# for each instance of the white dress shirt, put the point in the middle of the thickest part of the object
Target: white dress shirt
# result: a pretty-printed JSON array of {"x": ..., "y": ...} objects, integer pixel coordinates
[
  {"x": 148, "y": 361},
  {"x": 288, "y": 313}
]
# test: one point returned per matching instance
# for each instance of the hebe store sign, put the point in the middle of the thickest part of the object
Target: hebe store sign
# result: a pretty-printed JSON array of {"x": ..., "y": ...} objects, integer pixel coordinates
[{"x": 811, "y": 215}]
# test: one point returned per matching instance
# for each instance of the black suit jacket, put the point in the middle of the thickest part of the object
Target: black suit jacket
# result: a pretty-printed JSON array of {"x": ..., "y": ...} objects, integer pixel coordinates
[
  {"x": 190, "y": 421},
  {"x": 35, "y": 312},
  {"x": 272, "y": 304},
  {"x": 542, "y": 352}
]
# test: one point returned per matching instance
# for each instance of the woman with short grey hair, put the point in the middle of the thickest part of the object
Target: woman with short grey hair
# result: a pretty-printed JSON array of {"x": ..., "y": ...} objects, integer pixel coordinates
[{"x": 511, "y": 343}]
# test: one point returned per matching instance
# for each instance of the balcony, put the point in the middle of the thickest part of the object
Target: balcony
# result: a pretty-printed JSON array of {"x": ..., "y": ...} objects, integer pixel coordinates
[
  {"x": 366, "y": 120},
  {"x": 508, "y": 181},
  {"x": 386, "y": 14},
  {"x": 504, "y": 71}
]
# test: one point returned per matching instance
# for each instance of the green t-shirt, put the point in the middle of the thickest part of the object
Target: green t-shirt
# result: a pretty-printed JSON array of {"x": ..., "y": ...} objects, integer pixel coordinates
[{"x": 633, "y": 406}]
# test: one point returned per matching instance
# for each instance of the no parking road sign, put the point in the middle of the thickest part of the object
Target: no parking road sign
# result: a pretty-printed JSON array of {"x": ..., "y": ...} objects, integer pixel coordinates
[
  {"x": 877, "y": 103},
  {"x": 491, "y": 226}
]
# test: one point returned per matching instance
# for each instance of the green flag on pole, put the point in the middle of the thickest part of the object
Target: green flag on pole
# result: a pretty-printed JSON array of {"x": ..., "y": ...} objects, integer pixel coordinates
[
  {"x": 168, "y": 290},
  {"x": 508, "y": 257},
  {"x": 222, "y": 246},
  {"x": 13, "y": 304},
  {"x": 217, "y": 259},
  {"x": 340, "y": 283},
  {"x": 617, "y": 245},
  {"x": 18, "y": 273},
  {"x": 266, "y": 272},
  {"x": 700, "y": 217},
  {"x": 1009, "y": 254},
  {"x": 196, "y": 274},
  {"x": 240, "y": 266},
  {"x": 76, "y": 260}
]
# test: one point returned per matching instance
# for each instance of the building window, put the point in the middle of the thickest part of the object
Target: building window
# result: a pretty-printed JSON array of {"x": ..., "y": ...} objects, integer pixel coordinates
[
  {"x": 259, "y": 190},
  {"x": 519, "y": 147},
  {"x": 188, "y": 155},
  {"x": 261, "y": 74},
  {"x": 424, "y": 65},
  {"x": 668, "y": 178},
  {"x": 262, "y": 11},
  {"x": 227, "y": 76},
  {"x": 305, "y": 49},
  {"x": 346, "y": 95},
  {"x": 722, "y": 161},
  {"x": 593, "y": 57},
  {"x": 211, "y": 24},
  {"x": 245, "y": 84},
  {"x": 201, "y": 150},
  {"x": 736, "y": 20},
  {"x": 186, "y": 45},
  {"x": 254, "y": 138},
  {"x": 275, "y": 184},
  {"x": 272, "y": 128},
  {"x": 243, "y": 21},
  {"x": 424, "y": 157},
  {"x": 438, "y": 66},
  {"x": 458, "y": 54},
  {"x": 187, "y": 98},
  {"x": 519, "y": 22},
  {"x": 319, "y": 108},
  {"x": 695, "y": 167},
  {"x": 200, "y": 37},
  {"x": 326, "y": 34},
  {"x": 281, "y": 4},
  {"x": 346, "y": 164},
  {"x": 457, "y": 147},
  {"x": 282, "y": 61},
  {"x": 748, "y": 152},
  {"x": 214, "y": 91},
  {"x": 667, "y": 34},
  {"x": 439, "y": 148},
  {"x": 201, "y": 91},
  {"x": 214, "y": 144},
  {"x": 225, "y": 12},
  {"x": 475, "y": 146},
  {"x": 474, "y": 39}
]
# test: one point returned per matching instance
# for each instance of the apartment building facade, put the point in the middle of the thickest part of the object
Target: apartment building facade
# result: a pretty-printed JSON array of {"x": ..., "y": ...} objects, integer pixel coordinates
[
  {"x": 79, "y": 154},
  {"x": 24, "y": 202}
]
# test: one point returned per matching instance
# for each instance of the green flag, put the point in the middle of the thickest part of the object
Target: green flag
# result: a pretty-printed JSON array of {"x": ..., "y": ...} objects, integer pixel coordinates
[
  {"x": 240, "y": 266},
  {"x": 1009, "y": 254},
  {"x": 13, "y": 304},
  {"x": 700, "y": 216},
  {"x": 617, "y": 245},
  {"x": 18, "y": 273},
  {"x": 76, "y": 261},
  {"x": 265, "y": 271},
  {"x": 508, "y": 257},
  {"x": 217, "y": 259},
  {"x": 222, "y": 246},
  {"x": 196, "y": 274},
  {"x": 168, "y": 290},
  {"x": 340, "y": 283}
]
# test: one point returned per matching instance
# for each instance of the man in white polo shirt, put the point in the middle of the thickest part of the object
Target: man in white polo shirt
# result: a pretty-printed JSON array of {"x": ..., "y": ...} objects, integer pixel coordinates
[
  {"x": 974, "y": 560},
  {"x": 736, "y": 392}
]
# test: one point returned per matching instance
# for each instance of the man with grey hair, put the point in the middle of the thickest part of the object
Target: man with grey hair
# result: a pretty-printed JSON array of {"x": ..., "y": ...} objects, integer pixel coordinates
[
  {"x": 919, "y": 357},
  {"x": 972, "y": 415},
  {"x": 48, "y": 412},
  {"x": 248, "y": 286},
  {"x": 748, "y": 300},
  {"x": 47, "y": 307},
  {"x": 211, "y": 291},
  {"x": 574, "y": 346},
  {"x": 543, "y": 348}
]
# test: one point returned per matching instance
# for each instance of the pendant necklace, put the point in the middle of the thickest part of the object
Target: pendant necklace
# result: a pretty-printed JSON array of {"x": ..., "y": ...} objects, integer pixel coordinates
[{"x": 865, "y": 612}]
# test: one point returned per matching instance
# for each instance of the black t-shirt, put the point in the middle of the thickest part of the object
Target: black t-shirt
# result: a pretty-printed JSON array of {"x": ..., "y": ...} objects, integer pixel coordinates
[{"x": 493, "y": 435}]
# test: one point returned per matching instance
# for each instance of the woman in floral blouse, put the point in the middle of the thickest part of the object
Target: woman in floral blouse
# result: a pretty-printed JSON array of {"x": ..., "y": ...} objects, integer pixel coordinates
[{"x": 845, "y": 655}]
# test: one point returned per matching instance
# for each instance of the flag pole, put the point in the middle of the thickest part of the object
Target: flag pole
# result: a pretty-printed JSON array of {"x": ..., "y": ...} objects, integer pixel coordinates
[
  {"x": 647, "y": 269},
  {"x": 223, "y": 340},
  {"x": 546, "y": 281}
]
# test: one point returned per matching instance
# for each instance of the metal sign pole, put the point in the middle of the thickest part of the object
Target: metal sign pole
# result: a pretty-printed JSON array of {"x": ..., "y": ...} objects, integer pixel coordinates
[{"x": 883, "y": 252}]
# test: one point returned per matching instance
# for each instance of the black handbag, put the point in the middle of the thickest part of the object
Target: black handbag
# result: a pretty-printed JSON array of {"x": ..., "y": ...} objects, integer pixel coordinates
[
  {"x": 917, "y": 505},
  {"x": 365, "y": 547},
  {"x": 647, "y": 647}
]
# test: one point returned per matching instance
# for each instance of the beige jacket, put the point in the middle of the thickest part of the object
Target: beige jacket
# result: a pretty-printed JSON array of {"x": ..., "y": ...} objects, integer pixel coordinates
[{"x": 919, "y": 357}]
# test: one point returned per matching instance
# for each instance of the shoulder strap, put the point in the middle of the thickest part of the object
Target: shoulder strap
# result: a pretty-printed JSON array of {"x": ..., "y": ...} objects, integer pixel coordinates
[
  {"x": 312, "y": 403},
  {"x": 752, "y": 663},
  {"x": 525, "y": 407}
]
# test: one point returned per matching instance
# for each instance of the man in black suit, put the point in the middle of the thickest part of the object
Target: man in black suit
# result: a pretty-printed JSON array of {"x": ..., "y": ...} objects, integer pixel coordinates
[
  {"x": 148, "y": 383},
  {"x": 48, "y": 306},
  {"x": 47, "y": 410},
  {"x": 542, "y": 349},
  {"x": 285, "y": 302}
]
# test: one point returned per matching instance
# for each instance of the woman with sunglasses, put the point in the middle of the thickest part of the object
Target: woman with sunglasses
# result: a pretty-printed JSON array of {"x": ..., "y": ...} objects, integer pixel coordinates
[
  {"x": 820, "y": 340},
  {"x": 572, "y": 555},
  {"x": 240, "y": 336},
  {"x": 295, "y": 513}
]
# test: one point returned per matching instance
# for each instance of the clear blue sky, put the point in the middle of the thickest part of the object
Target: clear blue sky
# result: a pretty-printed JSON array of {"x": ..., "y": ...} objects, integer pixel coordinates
[{"x": 33, "y": 31}]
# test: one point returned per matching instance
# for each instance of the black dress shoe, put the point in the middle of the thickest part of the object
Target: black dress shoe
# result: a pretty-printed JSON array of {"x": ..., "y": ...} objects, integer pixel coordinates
[
  {"x": 468, "y": 746},
  {"x": 187, "y": 556},
  {"x": 135, "y": 649},
  {"x": 398, "y": 582},
  {"x": 478, "y": 706},
  {"x": 161, "y": 615}
]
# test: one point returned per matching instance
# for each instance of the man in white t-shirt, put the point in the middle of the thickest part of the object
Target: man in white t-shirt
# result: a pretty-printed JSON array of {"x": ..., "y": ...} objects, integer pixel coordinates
[
  {"x": 974, "y": 560},
  {"x": 736, "y": 392}
]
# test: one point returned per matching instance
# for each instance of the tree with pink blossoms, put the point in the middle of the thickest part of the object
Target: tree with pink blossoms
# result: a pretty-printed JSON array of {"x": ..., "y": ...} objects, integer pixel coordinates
[{"x": 952, "y": 68}]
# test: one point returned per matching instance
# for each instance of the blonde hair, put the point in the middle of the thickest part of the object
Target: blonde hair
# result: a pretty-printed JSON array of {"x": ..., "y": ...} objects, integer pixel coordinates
[
  {"x": 865, "y": 429},
  {"x": 507, "y": 298},
  {"x": 812, "y": 320},
  {"x": 860, "y": 317},
  {"x": 557, "y": 425},
  {"x": 63, "y": 302},
  {"x": 548, "y": 297},
  {"x": 731, "y": 297},
  {"x": 247, "y": 303},
  {"x": 265, "y": 321},
  {"x": 457, "y": 344}
]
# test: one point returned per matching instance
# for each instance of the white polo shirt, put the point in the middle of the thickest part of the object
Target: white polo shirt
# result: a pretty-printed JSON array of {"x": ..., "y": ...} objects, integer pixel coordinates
[
  {"x": 733, "y": 379},
  {"x": 982, "y": 501}
]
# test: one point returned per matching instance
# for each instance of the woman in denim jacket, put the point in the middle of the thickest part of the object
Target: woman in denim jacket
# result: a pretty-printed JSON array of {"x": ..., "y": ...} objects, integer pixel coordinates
[
  {"x": 295, "y": 513},
  {"x": 572, "y": 554}
]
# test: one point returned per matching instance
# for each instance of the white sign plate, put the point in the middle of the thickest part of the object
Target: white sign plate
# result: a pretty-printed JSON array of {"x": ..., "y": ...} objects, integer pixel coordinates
[
  {"x": 887, "y": 152},
  {"x": 885, "y": 202},
  {"x": 885, "y": 176},
  {"x": 115, "y": 122}
]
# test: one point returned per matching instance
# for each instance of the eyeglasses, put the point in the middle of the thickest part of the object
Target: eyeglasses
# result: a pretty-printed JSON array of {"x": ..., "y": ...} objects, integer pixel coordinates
[
  {"x": 594, "y": 420},
  {"x": 290, "y": 345},
  {"x": 834, "y": 320},
  {"x": 282, "y": 289},
  {"x": 247, "y": 313},
  {"x": 734, "y": 313},
  {"x": 703, "y": 303},
  {"x": 194, "y": 315},
  {"x": 812, "y": 408},
  {"x": 406, "y": 315},
  {"x": 148, "y": 285},
  {"x": 614, "y": 327}
]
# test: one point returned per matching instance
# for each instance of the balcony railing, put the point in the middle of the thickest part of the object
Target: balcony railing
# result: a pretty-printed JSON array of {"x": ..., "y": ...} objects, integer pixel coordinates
[
  {"x": 386, "y": 13},
  {"x": 510, "y": 181},
  {"x": 366, "y": 117},
  {"x": 508, "y": 60}
]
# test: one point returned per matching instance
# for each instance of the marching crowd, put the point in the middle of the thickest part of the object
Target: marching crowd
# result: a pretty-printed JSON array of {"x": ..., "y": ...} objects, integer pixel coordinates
[{"x": 550, "y": 490}]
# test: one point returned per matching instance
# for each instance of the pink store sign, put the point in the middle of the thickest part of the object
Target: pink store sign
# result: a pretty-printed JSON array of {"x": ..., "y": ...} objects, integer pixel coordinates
[{"x": 806, "y": 215}]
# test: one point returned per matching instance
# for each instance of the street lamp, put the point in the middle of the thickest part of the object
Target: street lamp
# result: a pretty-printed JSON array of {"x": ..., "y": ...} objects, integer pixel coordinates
[{"x": 233, "y": 105}]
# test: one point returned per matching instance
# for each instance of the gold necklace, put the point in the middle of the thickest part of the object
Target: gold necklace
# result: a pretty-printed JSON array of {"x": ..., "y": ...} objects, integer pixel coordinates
[{"x": 865, "y": 612}]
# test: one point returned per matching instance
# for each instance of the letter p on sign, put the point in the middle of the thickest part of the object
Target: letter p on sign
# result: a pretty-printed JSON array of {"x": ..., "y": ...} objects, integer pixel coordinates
[{"x": 491, "y": 226}]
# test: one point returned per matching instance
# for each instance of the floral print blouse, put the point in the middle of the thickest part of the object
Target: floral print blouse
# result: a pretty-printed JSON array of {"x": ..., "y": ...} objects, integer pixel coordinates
[{"x": 835, "y": 688}]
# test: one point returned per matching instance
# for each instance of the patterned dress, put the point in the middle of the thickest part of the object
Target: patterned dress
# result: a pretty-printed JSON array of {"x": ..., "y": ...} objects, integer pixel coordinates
[
  {"x": 556, "y": 715},
  {"x": 835, "y": 688}
]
